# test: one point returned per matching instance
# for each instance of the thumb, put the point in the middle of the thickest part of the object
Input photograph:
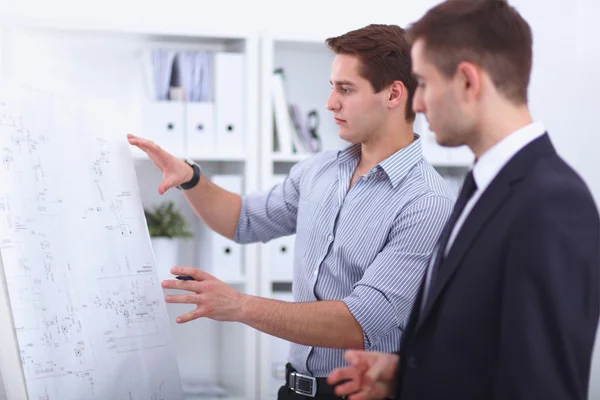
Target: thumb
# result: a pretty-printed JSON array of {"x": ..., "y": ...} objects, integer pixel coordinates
[
  {"x": 352, "y": 356},
  {"x": 166, "y": 184}
]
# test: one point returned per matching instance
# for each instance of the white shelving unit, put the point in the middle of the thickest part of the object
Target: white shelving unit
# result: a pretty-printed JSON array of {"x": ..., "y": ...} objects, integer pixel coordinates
[{"x": 105, "y": 61}]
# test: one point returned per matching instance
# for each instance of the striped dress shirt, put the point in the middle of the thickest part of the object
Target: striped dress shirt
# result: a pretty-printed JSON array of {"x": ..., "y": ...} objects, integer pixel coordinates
[{"x": 367, "y": 246}]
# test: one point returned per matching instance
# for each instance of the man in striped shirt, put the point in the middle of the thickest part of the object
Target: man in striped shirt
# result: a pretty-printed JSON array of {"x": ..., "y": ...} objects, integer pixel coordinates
[{"x": 366, "y": 220}]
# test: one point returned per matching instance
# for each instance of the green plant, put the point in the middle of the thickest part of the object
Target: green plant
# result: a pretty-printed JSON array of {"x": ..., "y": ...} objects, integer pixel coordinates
[{"x": 166, "y": 221}]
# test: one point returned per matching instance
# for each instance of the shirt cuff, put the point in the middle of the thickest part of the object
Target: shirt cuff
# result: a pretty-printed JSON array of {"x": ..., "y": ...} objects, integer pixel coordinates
[
  {"x": 243, "y": 233},
  {"x": 374, "y": 313}
]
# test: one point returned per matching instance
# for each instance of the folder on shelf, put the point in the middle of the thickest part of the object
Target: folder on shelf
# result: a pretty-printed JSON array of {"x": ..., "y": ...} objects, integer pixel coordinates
[
  {"x": 303, "y": 141},
  {"x": 184, "y": 61},
  {"x": 226, "y": 256},
  {"x": 203, "y": 77},
  {"x": 194, "y": 71},
  {"x": 163, "y": 123},
  {"x": 282, "y": 258},
  {"x": 158, "y": 65},
  {"x": 200, "y": 129},
  {"x": 283, "y": 125},
  {"x": 229, "y": 102}
]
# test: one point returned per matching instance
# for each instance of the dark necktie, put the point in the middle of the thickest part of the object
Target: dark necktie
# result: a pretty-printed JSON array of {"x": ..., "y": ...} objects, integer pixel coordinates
[{"x": 468, "y": 188}]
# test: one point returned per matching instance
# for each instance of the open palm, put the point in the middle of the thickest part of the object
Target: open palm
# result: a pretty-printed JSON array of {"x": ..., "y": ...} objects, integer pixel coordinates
[{"x": 175, "y": 171}]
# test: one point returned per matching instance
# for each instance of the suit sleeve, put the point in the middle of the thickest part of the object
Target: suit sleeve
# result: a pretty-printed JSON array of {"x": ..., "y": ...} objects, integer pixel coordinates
[{"x": 550, "y": 299}]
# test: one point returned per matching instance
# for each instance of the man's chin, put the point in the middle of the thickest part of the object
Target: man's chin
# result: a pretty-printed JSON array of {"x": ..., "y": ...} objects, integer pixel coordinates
[
  {"x": 347, "y": 136},
  {"x": 446, "y": 141}
]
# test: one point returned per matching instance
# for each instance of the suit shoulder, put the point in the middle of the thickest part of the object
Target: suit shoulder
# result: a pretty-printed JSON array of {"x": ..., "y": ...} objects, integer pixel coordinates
[{"x": 553, "y": 183}]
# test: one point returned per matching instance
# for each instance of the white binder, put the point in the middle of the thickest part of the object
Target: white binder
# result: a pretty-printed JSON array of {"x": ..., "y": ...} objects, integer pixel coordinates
[
  {"x": 282, "y": 258},
  {"x": 226, "y": 257},
  {"x": 200, "y": 129},
  {"x": 229, "y": 102},
  {"x": 163, "y": 123}
]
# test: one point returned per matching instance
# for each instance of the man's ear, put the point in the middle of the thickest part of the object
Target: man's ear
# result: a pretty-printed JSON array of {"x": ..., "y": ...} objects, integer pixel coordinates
[
  {"x": 469, "y": 80},
  {"x": 397, "y": 93}
]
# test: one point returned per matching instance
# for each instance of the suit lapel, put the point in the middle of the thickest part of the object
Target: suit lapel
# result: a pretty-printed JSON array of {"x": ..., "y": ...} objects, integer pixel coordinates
[
  {"x": 492, "y": 198},
  {"x": 479, "y": 216}
]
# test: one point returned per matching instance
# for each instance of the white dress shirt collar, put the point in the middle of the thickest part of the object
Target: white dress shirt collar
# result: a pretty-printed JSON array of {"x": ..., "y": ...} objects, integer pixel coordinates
[{"x": 491, "y": 162}]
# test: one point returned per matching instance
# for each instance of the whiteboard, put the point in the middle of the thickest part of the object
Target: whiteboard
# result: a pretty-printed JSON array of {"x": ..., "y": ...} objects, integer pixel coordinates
[{"x": 78, "y": 280}]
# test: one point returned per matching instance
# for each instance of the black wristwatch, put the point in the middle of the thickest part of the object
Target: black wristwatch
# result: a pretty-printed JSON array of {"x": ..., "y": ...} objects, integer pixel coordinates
[{"x": 195, "y": 178}]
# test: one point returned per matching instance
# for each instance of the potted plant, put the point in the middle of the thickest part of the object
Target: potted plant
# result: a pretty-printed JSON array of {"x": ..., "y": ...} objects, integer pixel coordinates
[{"x": 166, "y": 225}]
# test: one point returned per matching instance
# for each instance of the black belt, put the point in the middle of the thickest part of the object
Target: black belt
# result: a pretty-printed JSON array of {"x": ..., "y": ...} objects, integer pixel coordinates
[{"x": 306, "y": 385}]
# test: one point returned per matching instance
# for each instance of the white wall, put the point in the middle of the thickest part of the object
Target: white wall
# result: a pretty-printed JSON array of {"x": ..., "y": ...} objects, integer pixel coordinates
[
  {"x": 2, "y": 392},
  {"x": 565, "y": 84},
  {"x": 307, "y": 17}
]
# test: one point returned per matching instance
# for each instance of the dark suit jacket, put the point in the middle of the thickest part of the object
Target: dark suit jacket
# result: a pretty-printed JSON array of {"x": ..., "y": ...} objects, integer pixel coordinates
[{"x": 514, "y": 309}]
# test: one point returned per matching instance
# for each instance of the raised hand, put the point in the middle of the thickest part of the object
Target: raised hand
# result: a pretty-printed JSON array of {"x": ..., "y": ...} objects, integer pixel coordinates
[{"x": 175, "y": 171}]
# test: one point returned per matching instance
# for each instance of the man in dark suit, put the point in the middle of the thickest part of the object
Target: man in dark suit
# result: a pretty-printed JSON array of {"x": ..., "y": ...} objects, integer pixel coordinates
[{"x": 509, "y": 306}]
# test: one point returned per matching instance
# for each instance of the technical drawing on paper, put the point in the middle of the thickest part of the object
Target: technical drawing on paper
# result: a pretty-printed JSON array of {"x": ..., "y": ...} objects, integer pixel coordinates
[{"x": 86, "y": 301}]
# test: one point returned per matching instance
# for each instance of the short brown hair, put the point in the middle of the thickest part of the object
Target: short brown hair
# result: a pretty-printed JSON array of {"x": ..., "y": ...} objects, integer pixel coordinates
[
  {"x": 384, "y": 55},
  {"x": 489, "y": 33}
]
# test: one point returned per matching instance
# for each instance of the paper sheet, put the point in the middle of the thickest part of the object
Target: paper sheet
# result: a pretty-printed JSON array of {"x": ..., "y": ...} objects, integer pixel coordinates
[{"x": 88, "y": 308}]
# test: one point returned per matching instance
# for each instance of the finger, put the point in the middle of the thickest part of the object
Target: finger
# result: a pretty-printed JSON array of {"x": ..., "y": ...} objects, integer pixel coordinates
[
  {"x": 341, "y": 374},
  {"x": 194, "y": 272},
  {"x": 183, "y": 299},
  {"x": 137, "y": 139},
  {"x": 139, "y": 143},
  {"x": 154, "y": 152},
  {"x": 197, "y": 313},
  {"x": 355, "y": 357},
  {"x": 346, "y": 388},
  {"x": 191, "y": 286}
]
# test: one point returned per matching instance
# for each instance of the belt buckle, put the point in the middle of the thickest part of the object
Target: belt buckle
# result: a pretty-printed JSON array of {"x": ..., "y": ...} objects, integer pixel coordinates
[{"x": 303, "y": 384}]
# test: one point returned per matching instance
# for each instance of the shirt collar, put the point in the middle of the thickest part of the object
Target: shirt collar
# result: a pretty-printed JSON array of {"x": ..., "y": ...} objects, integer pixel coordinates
[
  {"x": 395, "y": 166},
  {"x": 492, "y": 161}
]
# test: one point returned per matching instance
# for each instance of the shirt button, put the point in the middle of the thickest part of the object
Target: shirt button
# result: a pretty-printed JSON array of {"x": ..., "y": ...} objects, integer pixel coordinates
[
  {"x": 316, "y": 272},
  {"x": 366, "y": 177},
  {"x": 329, "y": 238}
]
